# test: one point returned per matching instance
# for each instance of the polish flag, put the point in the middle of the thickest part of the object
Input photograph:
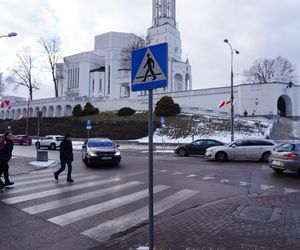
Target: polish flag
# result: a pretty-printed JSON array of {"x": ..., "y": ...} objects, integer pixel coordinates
[{"x": 222, "y": 104}]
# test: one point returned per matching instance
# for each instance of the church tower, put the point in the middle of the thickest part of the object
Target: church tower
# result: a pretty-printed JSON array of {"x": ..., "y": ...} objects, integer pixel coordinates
[{"x": 164, "y": 29}]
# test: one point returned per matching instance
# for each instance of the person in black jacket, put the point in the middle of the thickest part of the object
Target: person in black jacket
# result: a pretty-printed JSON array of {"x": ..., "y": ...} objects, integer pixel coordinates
[
  {"x": 66, "y": 157},
  {"x": 5, "y": 156}
]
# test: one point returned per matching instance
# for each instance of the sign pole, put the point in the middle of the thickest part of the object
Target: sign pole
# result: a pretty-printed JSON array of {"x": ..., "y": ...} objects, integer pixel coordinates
[{"x": 150, "y": 135}]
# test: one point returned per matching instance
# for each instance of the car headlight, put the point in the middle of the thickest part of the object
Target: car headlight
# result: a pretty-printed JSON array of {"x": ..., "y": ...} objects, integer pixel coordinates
[
  {"x": 92, "y": 153},
  {"x": 117, "y": 152}
]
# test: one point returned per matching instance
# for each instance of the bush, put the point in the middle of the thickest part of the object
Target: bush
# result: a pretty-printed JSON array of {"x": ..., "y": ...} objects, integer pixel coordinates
[
  {"x": 126, "y": 111},
  {"x": 77, "y": 110},
  {"x": 89, "y": 109},
  {"x": 166, "y": 107}
]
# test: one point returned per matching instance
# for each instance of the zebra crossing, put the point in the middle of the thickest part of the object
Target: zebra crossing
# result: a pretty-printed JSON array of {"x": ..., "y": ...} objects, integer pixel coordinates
[{"x": 88, "y": 200}]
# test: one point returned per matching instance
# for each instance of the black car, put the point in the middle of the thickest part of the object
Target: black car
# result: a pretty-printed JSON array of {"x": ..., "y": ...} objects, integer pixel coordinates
[
  {"x": 197, "y": 147},
  {"x": 100, "y": 151}
]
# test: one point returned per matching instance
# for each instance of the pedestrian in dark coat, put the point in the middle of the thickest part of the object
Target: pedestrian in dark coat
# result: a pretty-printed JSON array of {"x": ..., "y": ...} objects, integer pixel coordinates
[
  {"x": 66, "y": 157},
  {"x": 5, "y": 156}
]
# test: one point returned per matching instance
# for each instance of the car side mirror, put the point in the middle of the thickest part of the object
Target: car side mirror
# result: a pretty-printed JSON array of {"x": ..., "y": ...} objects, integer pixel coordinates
[
  {"x": 233, "y": 145},
  {"x": 84, "y": 146},
  {"x": 117, "y": 146}
]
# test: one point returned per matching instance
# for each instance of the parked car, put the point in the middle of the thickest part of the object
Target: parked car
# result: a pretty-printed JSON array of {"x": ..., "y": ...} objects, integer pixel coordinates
[
  {"x": 49, "y": 141},
  {"x": 100, "y": 150},
  {"x": 22, "y": 139},
  {"x": 197, "y": 147},
  {"x": 245, "y": 149},
  {"x": 286, "y": 157}
]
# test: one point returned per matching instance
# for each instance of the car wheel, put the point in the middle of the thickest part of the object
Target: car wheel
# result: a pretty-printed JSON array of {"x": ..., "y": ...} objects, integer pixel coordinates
[
  {"x": 37, "y": 145},
  {"x": 265, "y": 156},
  {"x": 21, "y": 143},
  {"x": 182, "y": 152},
  {"x": 52, "y": 146},
  {"x": 221, "y": 156},
  {"x": 29, "y": 143},
  {"x": 278, "y": 171}
]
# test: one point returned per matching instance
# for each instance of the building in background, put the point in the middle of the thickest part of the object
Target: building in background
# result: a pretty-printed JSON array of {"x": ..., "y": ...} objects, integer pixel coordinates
[{"x": 99, "y": 73}]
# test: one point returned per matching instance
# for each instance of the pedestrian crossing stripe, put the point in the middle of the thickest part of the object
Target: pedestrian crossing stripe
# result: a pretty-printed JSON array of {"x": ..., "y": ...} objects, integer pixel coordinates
[{"x": 149, "y": 68}]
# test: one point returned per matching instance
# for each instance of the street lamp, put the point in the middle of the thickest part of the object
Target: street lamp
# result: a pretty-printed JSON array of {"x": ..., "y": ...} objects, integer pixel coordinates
[
  {"x": 232, "y": 97},
  {"x": 9, "y": 34}
]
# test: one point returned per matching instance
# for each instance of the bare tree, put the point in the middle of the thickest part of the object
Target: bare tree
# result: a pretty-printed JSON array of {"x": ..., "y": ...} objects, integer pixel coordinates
[
  {"x": 136, "y": 43},
  {"x": 22, "y": 72},
  {"x": 2, "y": 85},
  {"x": 52, "y": 48},
  {"x": 268, "y": 70}
]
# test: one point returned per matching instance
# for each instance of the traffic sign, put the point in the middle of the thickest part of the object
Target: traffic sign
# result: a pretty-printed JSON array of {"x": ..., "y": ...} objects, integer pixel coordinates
[
  {"x": 88, "y": 124},
  {"x": 149, "y": 68}
]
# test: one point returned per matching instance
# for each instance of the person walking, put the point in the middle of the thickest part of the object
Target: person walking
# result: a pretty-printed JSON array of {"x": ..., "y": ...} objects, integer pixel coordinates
[
  {"x": 5, "y": 156},
  {"x": 66, "y": 157}
]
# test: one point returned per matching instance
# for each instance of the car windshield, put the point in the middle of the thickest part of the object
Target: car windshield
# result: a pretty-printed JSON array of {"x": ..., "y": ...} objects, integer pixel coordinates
[
  {"x": 285, "y": 148},
  {"x": 94, "y": 143}
]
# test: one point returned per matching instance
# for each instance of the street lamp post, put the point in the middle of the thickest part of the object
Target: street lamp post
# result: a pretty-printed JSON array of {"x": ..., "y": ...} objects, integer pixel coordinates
[
  {"x": 231, "y": 97},
  {"x": 9, "y": 34}
]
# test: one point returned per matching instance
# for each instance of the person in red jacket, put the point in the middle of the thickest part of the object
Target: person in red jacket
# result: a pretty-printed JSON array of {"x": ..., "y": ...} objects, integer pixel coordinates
[{"x": 66, "y": 157}]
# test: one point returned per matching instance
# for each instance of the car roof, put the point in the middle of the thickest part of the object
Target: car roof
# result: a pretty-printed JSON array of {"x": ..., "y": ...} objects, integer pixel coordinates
[
  {"x": 100, "y": 139},
  {"x": 55, "y": 135}
]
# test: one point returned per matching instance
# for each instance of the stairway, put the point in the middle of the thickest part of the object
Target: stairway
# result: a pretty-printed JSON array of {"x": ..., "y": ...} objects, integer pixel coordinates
[{"x": 285, "y": 129}]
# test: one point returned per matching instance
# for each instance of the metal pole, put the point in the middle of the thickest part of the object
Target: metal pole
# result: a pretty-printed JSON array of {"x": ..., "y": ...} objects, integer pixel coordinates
[
  {"x": 150, "y": 135},
  {"x": 232, "y": 99}
]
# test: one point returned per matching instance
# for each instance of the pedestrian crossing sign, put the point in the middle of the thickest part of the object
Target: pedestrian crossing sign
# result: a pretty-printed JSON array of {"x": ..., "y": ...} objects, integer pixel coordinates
[{"x": 149, "y": 68}]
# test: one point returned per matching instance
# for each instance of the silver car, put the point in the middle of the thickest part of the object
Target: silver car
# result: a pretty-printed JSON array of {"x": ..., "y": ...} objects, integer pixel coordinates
[
  {"x": 286, "y": 157},
  {"x": 245, "y": 149}
]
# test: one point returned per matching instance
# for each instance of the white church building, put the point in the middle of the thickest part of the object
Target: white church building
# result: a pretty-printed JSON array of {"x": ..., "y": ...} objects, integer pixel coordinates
[{"x": 98, "y": 76}]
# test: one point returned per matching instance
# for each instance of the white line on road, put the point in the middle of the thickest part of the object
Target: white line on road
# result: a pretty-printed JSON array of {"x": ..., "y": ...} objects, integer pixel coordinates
[
  {"x": 265, "y": 187},
  {"x": 104, "y": 230},
  {"x": 17, "y": 189},
  {"x": 59, "y": 190},
  {"x": 79, "y": 198},
  {"x": 86, "y": 212},
  {"x": 290, "y": 190}
]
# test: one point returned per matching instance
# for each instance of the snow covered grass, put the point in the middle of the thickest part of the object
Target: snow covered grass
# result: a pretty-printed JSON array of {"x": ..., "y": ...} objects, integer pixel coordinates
[{"x": 186, "y": 128}]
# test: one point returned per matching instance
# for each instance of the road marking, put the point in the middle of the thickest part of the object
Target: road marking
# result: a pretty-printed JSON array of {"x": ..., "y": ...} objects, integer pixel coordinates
[
  {"x": 78, "y": 198},
  {"x": 59, "y": 190},
  {"x": 290, "y": 190},
  {"x": 191, "y": 175},
  {"x": 86, "y": 212},
  {"x": 42, "y": 179},
  {"x": 17, "y": 189},
  {"x": 208, "y": 178},
  {"x": 104, "y": 230},
  {"x": 163, "y": 171},
  {"x": 244, "y": 183},
  {"x": 265, "y": 187},
  {"x": 224, "y": 181},
  {"x": 176, "y": 173}
]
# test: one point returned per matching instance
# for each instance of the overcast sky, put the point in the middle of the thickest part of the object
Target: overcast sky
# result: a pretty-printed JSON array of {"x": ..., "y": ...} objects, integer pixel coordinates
[{"x": 257, "y": 28}]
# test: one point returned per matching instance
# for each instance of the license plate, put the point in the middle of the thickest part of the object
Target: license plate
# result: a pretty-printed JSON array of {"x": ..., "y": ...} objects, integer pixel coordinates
[
  {"x": 278, "y": 163},
  {"x": 106, "y": 158}
]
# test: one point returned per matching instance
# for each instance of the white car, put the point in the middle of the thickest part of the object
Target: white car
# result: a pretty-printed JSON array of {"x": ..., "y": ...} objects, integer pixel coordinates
[
  {"x": 245, "y": 149},
  {"x": 49, "y": 141}
]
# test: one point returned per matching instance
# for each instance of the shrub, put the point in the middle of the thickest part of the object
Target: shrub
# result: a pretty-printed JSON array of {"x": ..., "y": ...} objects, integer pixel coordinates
[
  {"x": 77, "y": 110},
  {"x": 126, "y": 111},
  {"x": 166, "y": 107},
  {"x": 89, "y": 109}
]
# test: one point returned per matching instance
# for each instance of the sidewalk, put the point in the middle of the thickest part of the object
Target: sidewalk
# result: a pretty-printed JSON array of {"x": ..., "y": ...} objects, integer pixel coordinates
[
  {"x": 21, "y": 165},
  {"x": 254, "y": 223}
]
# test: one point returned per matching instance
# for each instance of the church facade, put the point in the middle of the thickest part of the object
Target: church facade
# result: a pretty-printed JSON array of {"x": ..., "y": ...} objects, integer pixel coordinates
[{"x": 98, "y": 76}]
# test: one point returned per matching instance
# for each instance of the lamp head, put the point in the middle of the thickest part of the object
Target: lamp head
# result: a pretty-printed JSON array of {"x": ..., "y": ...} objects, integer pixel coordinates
[
  {"x": 237, "y": 52},
  {"x": 12, "y": 34},
  {"x": 225, "y": 40}
]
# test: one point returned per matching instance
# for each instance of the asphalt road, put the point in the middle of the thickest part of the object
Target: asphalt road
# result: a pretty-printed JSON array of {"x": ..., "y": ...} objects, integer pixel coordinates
[{"x": 108, "y": 202}]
